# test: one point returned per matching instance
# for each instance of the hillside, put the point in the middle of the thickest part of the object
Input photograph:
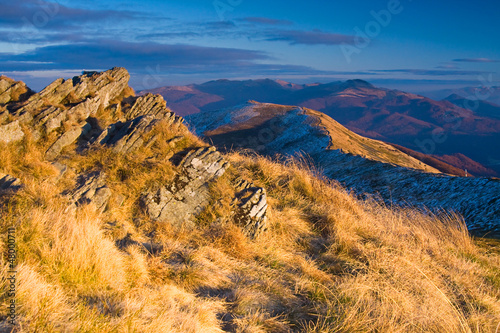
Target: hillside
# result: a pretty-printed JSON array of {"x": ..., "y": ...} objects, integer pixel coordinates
[
  {"x": 490, "y": 92},
  {"x": 124, "y": 221},
  {"x": 480, "y": 107},
  {"x": 413, "y": 121},
  {"x": 363, "y": 165}
]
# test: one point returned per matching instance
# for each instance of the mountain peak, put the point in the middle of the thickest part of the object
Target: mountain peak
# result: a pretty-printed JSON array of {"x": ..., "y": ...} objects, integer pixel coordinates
[{"x": 357, "y": 83}]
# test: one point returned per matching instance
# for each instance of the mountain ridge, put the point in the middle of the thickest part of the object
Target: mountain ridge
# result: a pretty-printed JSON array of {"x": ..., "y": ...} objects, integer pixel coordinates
[
  {"x": 413, "y": 121},
  {"x": 363, "y": 165}
]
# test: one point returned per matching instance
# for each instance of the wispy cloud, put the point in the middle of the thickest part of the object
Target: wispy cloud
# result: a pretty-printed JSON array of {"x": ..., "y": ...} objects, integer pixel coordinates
[
  {"x": 110, "y": 53},
  {"x": 486, "y": 60},
  {"x": 447, "y": 67},
  {"x": 314, "y": 37},
  {"x": 430, "y": 72},
  {"x": 266, "y": 21},
  {"x": 44, "y": 15}
]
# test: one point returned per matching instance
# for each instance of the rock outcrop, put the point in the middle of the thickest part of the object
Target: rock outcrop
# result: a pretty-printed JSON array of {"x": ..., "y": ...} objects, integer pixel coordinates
[
  {"x": 91, "y": 189},
  {"x": 87, "y": 92},
  {"x": 13, "y": 91},
  {"x": 11, "y": 132},
  {"x": 67, "y": 117},
  {"x": 66, "y": 102},
  {"x": 66, "y": 139},
  {"x": 128, "y": 136},
  {"x": 252, "y": 208},
  {"x": 188, "y": 194}
]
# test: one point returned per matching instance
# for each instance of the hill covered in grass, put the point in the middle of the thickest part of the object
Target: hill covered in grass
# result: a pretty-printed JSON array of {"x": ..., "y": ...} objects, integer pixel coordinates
[
  {"x": 364, "y": 166},
  {"x": 124, "y": 221}
]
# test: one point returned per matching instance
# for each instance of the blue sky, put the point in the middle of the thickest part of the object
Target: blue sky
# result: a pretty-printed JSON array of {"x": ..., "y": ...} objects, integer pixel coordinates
[{"x": 413, "y": 45}]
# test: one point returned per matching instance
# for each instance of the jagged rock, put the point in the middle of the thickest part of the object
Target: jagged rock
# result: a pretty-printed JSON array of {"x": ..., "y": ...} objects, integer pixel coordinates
[
  {"x": 12, "y": 91},
  {"x": 172, "y": 142},
  {"x": 149, "y": 104},
  {"x": 251, "y": 208},
  {"x": 65, "y": 140},
  {"x": 50, "y": 118},
  {"x": 92, "y": 189},
  {"x": 61, "y": 168},
  {"x": 74, "y": 99},
  {"x": 188, "y": 194},
  {"x": 11, "y": 132},
  {"x": 128, "y": 136},
  {"x": 102, "y": 87},
  {"x": 9, "y": 184}
]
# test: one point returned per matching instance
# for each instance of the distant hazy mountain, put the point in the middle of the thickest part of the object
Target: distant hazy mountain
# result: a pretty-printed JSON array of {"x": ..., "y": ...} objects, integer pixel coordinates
[
  {"x": 486, "y": 94},
  {"x": 416, "y": 122},
  {"x": 363, "y": 165},
  {"x": 480, "y": 107}
]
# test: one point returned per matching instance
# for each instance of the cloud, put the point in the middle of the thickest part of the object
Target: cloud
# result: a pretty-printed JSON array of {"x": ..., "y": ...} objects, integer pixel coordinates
[
  {"x": 47, "y": 15},
  {"x": 220, "y": 25},
  {"x": 447, "y": 67},
  {"x": 111, "y": 53},
  {"x": 484, "y": 60},
  {"x": 315, "y": 37},
  {"x": 430, "y": 72},
  {"x": 169, "y": 35},
  {"x": 266, "y": 21}
]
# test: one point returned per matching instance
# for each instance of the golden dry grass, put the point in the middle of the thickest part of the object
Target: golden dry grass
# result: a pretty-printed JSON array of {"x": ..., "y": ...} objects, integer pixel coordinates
[{"x": 328, "y": 263}]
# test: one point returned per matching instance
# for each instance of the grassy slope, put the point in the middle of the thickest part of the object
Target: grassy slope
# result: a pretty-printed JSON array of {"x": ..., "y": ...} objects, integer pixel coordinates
[
  {"x": 340, "y": 136},
  {"x": 350, "y": 142},
  {"x": 328, "y": 262}
]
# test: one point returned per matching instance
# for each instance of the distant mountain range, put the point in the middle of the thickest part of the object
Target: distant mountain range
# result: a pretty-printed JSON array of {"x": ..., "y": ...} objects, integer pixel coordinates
[
  {"x": 487, "y": 94},
  {"x": 461, "y": 137}
]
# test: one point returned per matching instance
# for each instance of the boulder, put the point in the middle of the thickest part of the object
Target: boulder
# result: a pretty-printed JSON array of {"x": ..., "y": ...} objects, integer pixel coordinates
[
  {"x": 251, "y": 208},
  {"x": 11, "y": 132},
  {"x": 12, "y": 91},
  {"x": 149, "y": 104},
  {"x": 92, "y": 189},
  {"x": 128, "y": 136},
  {"x": 188, "y": 194},
  {"x": 66, "y": 139}
]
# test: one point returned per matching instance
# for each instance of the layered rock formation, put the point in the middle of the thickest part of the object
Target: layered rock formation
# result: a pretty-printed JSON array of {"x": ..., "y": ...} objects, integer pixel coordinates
[
  {"x": 252, "y": 207},
  {"x": 188, "y": 194},
  {"x": 12, "y": 91}
]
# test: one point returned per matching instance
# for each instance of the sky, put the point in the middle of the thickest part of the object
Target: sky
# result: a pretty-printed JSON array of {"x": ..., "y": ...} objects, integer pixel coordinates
[{"x": 413, "y": 45}]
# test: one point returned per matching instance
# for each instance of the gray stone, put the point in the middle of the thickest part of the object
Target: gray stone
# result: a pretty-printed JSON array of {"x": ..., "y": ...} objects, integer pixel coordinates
[
  {"x": 188, "y": 194},
  {"x": 61, "y": 168},
  {"x": 87, "y": 91},
  {"x": 11, "y": 132},
  {"x": 251, "y": 209},
  {"x": 12, "y": 91},
  {"x": 128, "y": 136},
  {"x": 92, "y": 189},
  {"x": 65, "y": 140}
]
